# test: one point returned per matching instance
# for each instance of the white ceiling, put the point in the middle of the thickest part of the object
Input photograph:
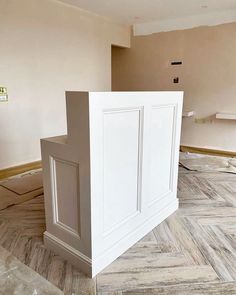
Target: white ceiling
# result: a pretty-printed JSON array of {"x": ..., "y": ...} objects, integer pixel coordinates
[{"x": 145, "y": 11}]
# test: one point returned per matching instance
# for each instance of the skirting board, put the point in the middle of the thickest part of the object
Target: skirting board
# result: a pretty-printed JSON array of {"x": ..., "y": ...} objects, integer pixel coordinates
[
  {"x": 128, "y": 241},
  {"x": 70, "y": 254},
  {"x": 8, "y": 172},
  {"x": 92, "y": 268},
  {"x": 199, "y": 150}
]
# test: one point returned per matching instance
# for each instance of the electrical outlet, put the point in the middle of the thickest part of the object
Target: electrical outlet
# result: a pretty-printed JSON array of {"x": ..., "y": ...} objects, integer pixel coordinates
[{"x": 176, "y": 80}]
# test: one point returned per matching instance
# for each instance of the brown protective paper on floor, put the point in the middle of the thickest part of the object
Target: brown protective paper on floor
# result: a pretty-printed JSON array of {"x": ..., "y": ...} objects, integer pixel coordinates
[{"x": 24, "y": 184}]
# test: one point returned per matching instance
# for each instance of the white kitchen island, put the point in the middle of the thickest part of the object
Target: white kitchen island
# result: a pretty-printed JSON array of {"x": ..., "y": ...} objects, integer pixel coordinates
[{"x": 113, "y": 178}]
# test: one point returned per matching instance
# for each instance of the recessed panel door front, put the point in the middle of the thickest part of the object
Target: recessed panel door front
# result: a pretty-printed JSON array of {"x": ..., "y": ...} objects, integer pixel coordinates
[
  {"x": 121, "y": 171},
  {"x": 162, "y": 146}
]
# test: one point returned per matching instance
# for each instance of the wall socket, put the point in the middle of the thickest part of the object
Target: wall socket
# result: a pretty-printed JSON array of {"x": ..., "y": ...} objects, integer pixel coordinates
[{"x": 176, "y": 80}]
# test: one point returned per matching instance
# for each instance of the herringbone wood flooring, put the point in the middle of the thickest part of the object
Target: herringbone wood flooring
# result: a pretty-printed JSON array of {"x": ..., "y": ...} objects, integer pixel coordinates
[{"x": 192, "y": 252}]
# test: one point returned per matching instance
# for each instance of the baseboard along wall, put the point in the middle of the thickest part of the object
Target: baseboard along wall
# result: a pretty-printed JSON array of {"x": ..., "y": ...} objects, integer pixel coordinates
[
  {"x": 8, "y": 172},
  {"x": 199, "y": 150}
]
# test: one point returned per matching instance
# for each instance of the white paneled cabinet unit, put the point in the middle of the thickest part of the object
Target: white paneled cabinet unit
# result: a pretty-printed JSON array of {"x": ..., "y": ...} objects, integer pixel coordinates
[{"x": 114, "y": 177}]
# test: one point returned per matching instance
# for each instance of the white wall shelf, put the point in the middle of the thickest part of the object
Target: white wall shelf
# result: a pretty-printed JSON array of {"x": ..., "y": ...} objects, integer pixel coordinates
[{"x": 226, "y": 116}]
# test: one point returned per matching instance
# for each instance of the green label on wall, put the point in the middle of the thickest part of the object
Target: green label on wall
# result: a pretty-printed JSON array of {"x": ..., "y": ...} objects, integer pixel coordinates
[
  {"x": 3, "y": 90},
  {"x": 3, "y": 94}
]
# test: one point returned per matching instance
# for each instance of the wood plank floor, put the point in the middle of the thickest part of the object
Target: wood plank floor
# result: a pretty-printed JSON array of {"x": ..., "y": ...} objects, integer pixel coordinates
[{"x": 192, "y": 252}]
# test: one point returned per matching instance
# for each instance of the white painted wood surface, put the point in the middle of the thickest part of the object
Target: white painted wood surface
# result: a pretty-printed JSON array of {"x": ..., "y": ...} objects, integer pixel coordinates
[
  {"x": 226, "y": 116},
  {"x": 114, "y": 177}
]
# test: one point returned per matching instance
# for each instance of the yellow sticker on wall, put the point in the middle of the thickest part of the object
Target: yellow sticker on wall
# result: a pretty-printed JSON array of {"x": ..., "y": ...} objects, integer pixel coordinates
[{"x": 3, "y": 94}]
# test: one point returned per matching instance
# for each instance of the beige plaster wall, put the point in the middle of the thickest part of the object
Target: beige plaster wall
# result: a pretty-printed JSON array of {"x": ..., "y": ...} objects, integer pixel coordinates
[
  {"x": 208, "y": 77},
  {"x": 46, "y": 48}
]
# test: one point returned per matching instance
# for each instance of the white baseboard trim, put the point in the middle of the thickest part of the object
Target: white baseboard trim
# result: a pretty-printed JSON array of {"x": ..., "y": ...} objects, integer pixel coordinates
[
  {"x": 93, "y": 267},
  {"x": 128, "y": 241},
  {"x": 75, "y": 257}
]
